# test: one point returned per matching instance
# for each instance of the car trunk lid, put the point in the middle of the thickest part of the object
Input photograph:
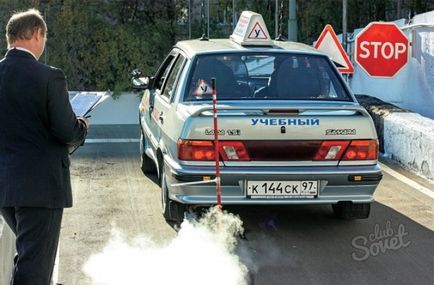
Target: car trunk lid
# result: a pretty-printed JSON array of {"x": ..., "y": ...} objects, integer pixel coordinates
[{"x": 290, "y": 133}]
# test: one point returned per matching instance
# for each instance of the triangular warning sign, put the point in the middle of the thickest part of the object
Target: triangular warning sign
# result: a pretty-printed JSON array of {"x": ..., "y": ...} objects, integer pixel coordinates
[
  {"x": 203, "y": 89},
  {"x": 257, "y": 33},
  {"x": 329, "y": 44}
]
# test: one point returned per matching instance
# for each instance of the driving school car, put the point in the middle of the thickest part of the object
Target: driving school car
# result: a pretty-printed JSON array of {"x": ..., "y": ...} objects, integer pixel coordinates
[{"x": 290, "y": 130}]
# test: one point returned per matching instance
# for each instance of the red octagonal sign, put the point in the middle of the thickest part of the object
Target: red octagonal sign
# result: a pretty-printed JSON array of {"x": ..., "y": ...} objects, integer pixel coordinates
[{"x": 382, "y": 49}]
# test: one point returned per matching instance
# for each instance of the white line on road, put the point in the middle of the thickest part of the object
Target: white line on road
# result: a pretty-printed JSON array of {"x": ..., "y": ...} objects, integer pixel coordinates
[
  {"x": 408, "y": 181},
  {"x": 112, "y": 140}
]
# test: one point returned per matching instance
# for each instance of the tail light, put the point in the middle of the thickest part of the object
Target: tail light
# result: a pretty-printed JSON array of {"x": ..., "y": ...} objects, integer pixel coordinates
[
  {"x": 233, "y": 151},
  {"x": 348, "y": 150},
  {"x": 362, "y": 150},
  {"x": 195, "y": 150},
  {"x": 345, "y": 150},
  {"x": 204, "y": 150},
  {"x": 331, "y": 150}
]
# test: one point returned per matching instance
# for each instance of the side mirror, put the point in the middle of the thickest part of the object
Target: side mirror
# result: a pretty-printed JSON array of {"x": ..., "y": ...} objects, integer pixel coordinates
[
  {"x": 140, "y": 82},
  {"x": 136, "y": 73}
]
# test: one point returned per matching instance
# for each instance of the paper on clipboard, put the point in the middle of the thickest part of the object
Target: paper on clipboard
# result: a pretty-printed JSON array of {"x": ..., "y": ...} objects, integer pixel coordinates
[{"x": 84, "y": 102}]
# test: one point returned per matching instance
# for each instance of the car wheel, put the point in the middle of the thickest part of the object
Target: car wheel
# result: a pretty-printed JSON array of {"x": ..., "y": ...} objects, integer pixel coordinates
[
  {"x": 146, "y": 163},
  {"x": 172, "y": 211},
  {"x": 351, "y": 211}
]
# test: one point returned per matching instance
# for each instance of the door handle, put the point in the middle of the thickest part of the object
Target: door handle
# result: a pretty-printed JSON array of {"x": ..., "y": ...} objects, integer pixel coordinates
[
  {"x": 161, "y": 117},
  {"x": 151, "y": 109}
]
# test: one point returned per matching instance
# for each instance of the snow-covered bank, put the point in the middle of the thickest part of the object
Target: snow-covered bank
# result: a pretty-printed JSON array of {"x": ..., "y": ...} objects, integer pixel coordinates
[{"x": 404, "y": 136}]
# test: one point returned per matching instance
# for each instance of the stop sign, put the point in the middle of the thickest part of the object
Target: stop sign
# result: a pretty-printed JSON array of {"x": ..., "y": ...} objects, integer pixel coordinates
[{"x": 381, "y": 49}]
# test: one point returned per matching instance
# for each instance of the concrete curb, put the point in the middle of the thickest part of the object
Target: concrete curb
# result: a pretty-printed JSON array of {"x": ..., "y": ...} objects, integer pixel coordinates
[
  {"x": 7, "y": 252},
  {"x": 404, "y": 136},
  {"x": 409, "y": 139}
]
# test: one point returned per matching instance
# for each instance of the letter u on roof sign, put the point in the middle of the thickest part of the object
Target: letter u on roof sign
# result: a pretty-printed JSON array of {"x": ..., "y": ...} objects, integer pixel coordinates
[{"x": 251, "y": 30}]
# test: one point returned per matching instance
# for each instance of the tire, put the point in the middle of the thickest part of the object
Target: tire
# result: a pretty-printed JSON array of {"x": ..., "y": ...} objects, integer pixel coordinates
[
  {"x": 172, "y": 211},
  {"x": 146, "y": 163},
  {"x": 351, "y": 211}
]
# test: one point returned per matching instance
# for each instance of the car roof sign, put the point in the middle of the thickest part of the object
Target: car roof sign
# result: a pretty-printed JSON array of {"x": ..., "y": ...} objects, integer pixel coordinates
[{"x": 251, "y": 30}]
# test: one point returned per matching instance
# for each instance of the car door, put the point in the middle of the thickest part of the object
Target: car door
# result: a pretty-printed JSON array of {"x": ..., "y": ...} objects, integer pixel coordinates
[
  {"x": 151, "y": 113},
  {"x": 164, "y": 98}
]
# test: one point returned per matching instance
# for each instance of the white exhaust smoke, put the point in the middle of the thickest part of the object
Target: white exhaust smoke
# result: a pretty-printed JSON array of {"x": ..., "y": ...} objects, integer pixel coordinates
[{"x": 203, "y": 252}]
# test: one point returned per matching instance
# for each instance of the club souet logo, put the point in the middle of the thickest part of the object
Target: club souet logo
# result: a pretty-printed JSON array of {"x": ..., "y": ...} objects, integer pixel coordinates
[{"x": 379, "y": 241}]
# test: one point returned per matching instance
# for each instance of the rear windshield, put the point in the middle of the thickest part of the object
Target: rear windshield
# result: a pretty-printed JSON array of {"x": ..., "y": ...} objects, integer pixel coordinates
[{"x": 265, "y": 76}]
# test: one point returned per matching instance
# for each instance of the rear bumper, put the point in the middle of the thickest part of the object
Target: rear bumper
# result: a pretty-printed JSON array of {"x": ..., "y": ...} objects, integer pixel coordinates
[{"x": 335, "y": 183}]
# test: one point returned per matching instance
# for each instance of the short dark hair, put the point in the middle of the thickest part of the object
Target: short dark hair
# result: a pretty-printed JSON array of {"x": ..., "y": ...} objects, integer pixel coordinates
[{"x": 23, "y": 25}]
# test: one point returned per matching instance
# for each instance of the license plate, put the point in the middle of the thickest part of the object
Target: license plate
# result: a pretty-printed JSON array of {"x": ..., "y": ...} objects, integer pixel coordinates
[{"x": 282, "y": 189}]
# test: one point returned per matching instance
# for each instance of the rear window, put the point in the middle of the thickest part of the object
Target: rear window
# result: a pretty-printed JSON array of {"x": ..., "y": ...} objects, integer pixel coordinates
[{"x": 265, "y": 76}]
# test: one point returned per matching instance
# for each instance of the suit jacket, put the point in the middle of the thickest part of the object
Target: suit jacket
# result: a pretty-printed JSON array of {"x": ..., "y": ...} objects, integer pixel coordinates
[{"x": 37, "y": 124}]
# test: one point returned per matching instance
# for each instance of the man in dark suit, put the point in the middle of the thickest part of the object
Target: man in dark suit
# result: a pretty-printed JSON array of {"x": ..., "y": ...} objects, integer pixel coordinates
[{"x": 37, "y": 126}]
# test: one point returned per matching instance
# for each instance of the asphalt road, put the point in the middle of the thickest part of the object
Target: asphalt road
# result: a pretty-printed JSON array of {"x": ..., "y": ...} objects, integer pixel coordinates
[{"x": 287, "y": 245}]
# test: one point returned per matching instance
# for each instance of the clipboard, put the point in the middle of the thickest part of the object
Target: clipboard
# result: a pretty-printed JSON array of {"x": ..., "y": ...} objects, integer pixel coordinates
[{"x": 84, "y": 102}]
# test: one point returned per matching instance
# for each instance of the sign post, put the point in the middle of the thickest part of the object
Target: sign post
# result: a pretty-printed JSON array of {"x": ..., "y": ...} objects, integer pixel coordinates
[
  {"x": 382, "y": 49},
  {"x": 216, "y": 144}
]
